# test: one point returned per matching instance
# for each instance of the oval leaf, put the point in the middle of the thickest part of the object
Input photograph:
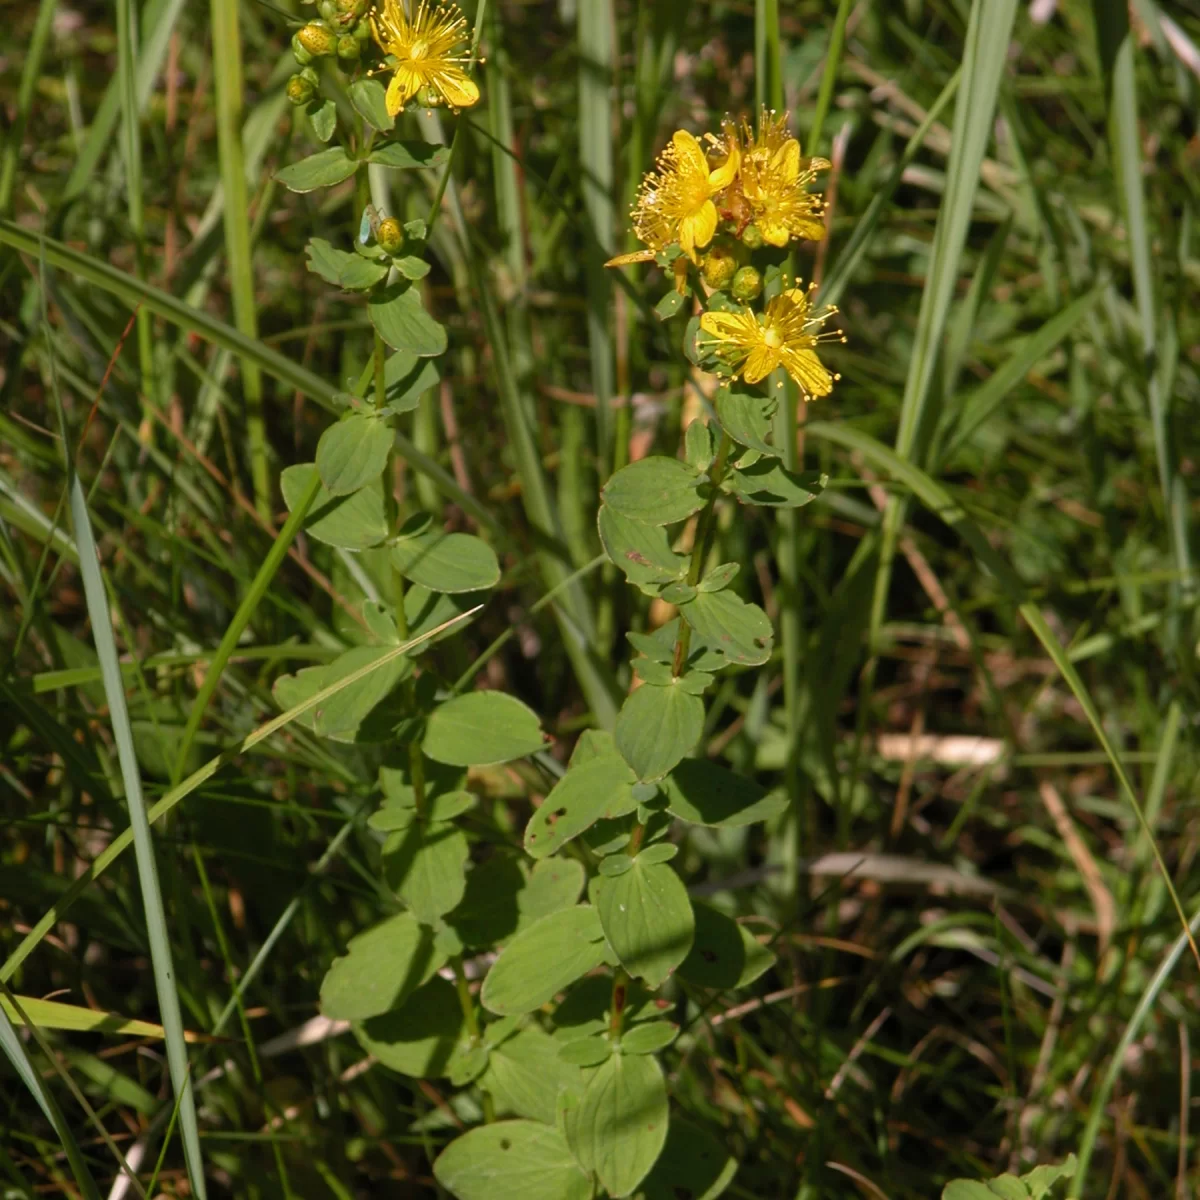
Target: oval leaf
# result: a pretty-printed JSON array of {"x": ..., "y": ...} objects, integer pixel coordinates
[
  {"x": 512, "y": 1160},
  {"x": 647, "y": 918},
  {"x": 353, "y": 522},
  {"x": 403, "y": 156},
  {"x": 701, "y": 791},
  {"x": 525, "y": 1075},
  {"x": 641, "y": 551},
  {"x": 649, "y": 1037},
  {"x": 482, "y": 729},
  {"x": 543, "y": 959},
  {"x": 352, "y": 452},
  {"x": 657, "y": 726},
  {"x": 447, "y": 562},
  {"x": 767, "y": 483},
  {"x": 693, "y": 1164},
  {"x": 319, "y": 170},
  {"x": 747, "y": 418},
  {"x": 402, "y": 322},
  {"x": 379, "y": 970},
  {"x": 656, "y": 490},
  {"x": 424, "y": 865},
  {"x": 369, "y": 99},
  {"x": 419, "y": 1037},
  {"x": 620, "y": 1125},
  {"x": 739, "y": 632},
  {"x": 598, "y": 788},
  {"x": 724, "y": 954}
]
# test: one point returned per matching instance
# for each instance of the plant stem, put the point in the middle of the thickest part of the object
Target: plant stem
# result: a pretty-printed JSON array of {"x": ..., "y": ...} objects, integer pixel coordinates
[
  {"x": 620, "y": 994},
  {"x": 705, "y": 528}
]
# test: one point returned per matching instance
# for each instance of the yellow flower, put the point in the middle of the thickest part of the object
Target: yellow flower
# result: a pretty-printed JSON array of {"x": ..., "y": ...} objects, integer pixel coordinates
[
  {"x": 423, "y": 47},
  {"x": 774, "y": 180},
  {"x": 675, "y": 202},
  {"x": 786, "y": 335}
]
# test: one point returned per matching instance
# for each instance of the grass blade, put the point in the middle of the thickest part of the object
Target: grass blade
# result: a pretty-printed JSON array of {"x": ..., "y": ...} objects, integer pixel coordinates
[
  {"x": 227, "y": 79},
  {"x": 31, "y": 69},
  {"x": 155, "y": 913}
]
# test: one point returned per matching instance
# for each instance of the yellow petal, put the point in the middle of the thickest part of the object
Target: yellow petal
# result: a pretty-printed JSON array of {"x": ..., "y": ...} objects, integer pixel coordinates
[
  {"x": 404, "y": 86},
  {"x": 739, "y": 328},
  {"x": 762, "y": 361},
  {"x": 786, "y": 160},
  {"x": 625, "y": 260},
  {"x": 774, "y": 232},
  {"x": 806, "y": 369},
  {"x": 808, "y": 227},
  {"x": 723, "y": 176},
  {"x": 700, "y": 226},
  {"x": 689, "y": 153},
  {"x": 816, "y": 164},
  {"x": 456, "y": 86}
]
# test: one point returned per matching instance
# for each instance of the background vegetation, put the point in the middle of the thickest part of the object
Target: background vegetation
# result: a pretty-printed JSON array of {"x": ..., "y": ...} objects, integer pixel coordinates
[{"x": 981, "y": 965}]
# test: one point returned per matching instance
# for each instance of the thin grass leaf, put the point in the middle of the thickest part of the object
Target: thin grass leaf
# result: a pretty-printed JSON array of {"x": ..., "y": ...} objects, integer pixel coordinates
[{"x": 31, "y": 70}]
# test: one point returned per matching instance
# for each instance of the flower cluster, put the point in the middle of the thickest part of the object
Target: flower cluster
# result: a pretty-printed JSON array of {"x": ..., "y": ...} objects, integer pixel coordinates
[
  {"x": 424, "y": 54},
  {"x": 711, "y": 207}
]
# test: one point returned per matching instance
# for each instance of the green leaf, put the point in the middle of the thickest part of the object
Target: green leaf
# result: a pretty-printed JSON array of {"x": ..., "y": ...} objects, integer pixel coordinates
[
  {"x": 657, "y": 726},
  {"x": 724, "y": 954},
  {"x": 417, "y": 1039},
  {"x": 966, "y": 1189},
  {"x": 647, "y": 918},
  {"x": 543, "y": 959},
  {"x": 669, "y": 305},
  {"x": 353, "y": 522},
  {"x": 649, "y": 1037},
  {"x": 319, "y": 170},
  {"x": 446, "y": 562},
  {"x": 705, "y": 793},
  {"x": 342, "y": 269},
  {"x": 737, "y": 631},
  {"x": 525, "y": 1075},
  {"x": 769, "y": 484},
  {"x": 660, "y": 646},
  {"x": 411, "y": 267},
  {"x": 424, "y": 865},
  {"x": 393, "y": 816},
  {"x": 719, "y": 578},
  {"x": 352, "y": 452},
  {"x": 641, "y": 551},
  {"x": 584, "y": 1011},
  {"x": 1041, "y": 1180},
  {"x": 406, "y": 379},
  {"x": 656, "y": 490},
  {"x": 598, "y": 788},
  {"x": 380, "y": 970},
  {"x": 402, "y": 322},
  {"x": 427, "y": 610},
  {"x": 512, "y": 1160},
  {"x": 482, "y": 729},
  {"x": 343, "y": 715},
  {"x": 698, "y": 445},
  {"x": 748, "y": 418},
  {"x": 588, "y": 1051},
  {"x": 323, "y": 115},
  {"x": 693, "y": 1164},
  {"x": 368, "y": 97},
  {"x": 401, "y": 156},
  {"x": 503, "y": 897},
  {"x": 620, "y": 1125},
  {"x": 554, "y": 884}
]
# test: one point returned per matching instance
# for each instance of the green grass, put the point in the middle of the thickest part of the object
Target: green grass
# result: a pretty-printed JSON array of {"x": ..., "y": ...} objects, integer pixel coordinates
[{"x": 1004, "y": 555}]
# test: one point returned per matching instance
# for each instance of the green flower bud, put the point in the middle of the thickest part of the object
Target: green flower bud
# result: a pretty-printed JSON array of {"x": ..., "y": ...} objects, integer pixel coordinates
[
  {"x": 349, "y": 47},
  {"x": 310, "y": 74},
  {"x": 720, "y": 264},
  {"x": 317, "y": 40},
  {"x": 299, "y": 53},
  {"x": 362, "y": 30},
  {"x": 350, "y": 10},
  {"x": 300, "y": 90},
  {"x": 429, "y": 97},
  {"x": 752, "y": 237},
  {"x": 747, "y": 285},
  {"x": 390, "y": 235},
  {"x": 328, "y": 9}
]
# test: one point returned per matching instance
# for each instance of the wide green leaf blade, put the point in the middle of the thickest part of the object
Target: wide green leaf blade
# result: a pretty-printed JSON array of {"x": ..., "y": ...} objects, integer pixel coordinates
[
  {"x": 739, "y": 632},
  {"x": 543, "y": 959},
  {"x": 353, "y": 522},
  {"x": 318, "y": 170},
  {"x": 352, "y": 452},
  {"x": 705, "y": 793},
  {"x": 724, "y": 954},
  {"x": 656, "y": 490},
  {"x": 424, "y": 865},
  {"x": 512, "y": 1160},
  {"x": 657, "y": 726},
  {"x": 647, "y": 918},
  {"x": 482, "y": 729},
  {"x": 418, "y": 1038},
  {"x": 639, "y": 550},
  {"x": 693, "y": 1164},
  {"x": 525, "y": 1075},
  {"x": 447, "y": 562},
  {"x": 401, "y": 320},
  {"x": 600, "y": 788}
]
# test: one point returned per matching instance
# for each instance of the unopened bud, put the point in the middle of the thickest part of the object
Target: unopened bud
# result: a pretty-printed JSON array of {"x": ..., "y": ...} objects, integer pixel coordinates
[
  {"x": 349, "y": 47},
  {"x": 300, "y": 90},
  {"x": 328, "y": 9},
  {"x": 429, "y": 96},
  {"x": 318, "y": 40},
  {"x": 299, "y": 53},
  {"x": 747, "y": 285},
  {"x": 752, "y": 237},
  {"x": 390, "y": 235},
  {"x": 720, "y": 265},
  {"x": 350, "y": 10}
]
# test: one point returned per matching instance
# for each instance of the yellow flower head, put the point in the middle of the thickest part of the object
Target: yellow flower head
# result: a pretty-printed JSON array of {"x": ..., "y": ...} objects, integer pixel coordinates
[
  {"x": 774, "y": 180},
  {"x": 786, "y": 335},
  {"x": 424, "y": 49},
  {"x": 675, "y": 202}
]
